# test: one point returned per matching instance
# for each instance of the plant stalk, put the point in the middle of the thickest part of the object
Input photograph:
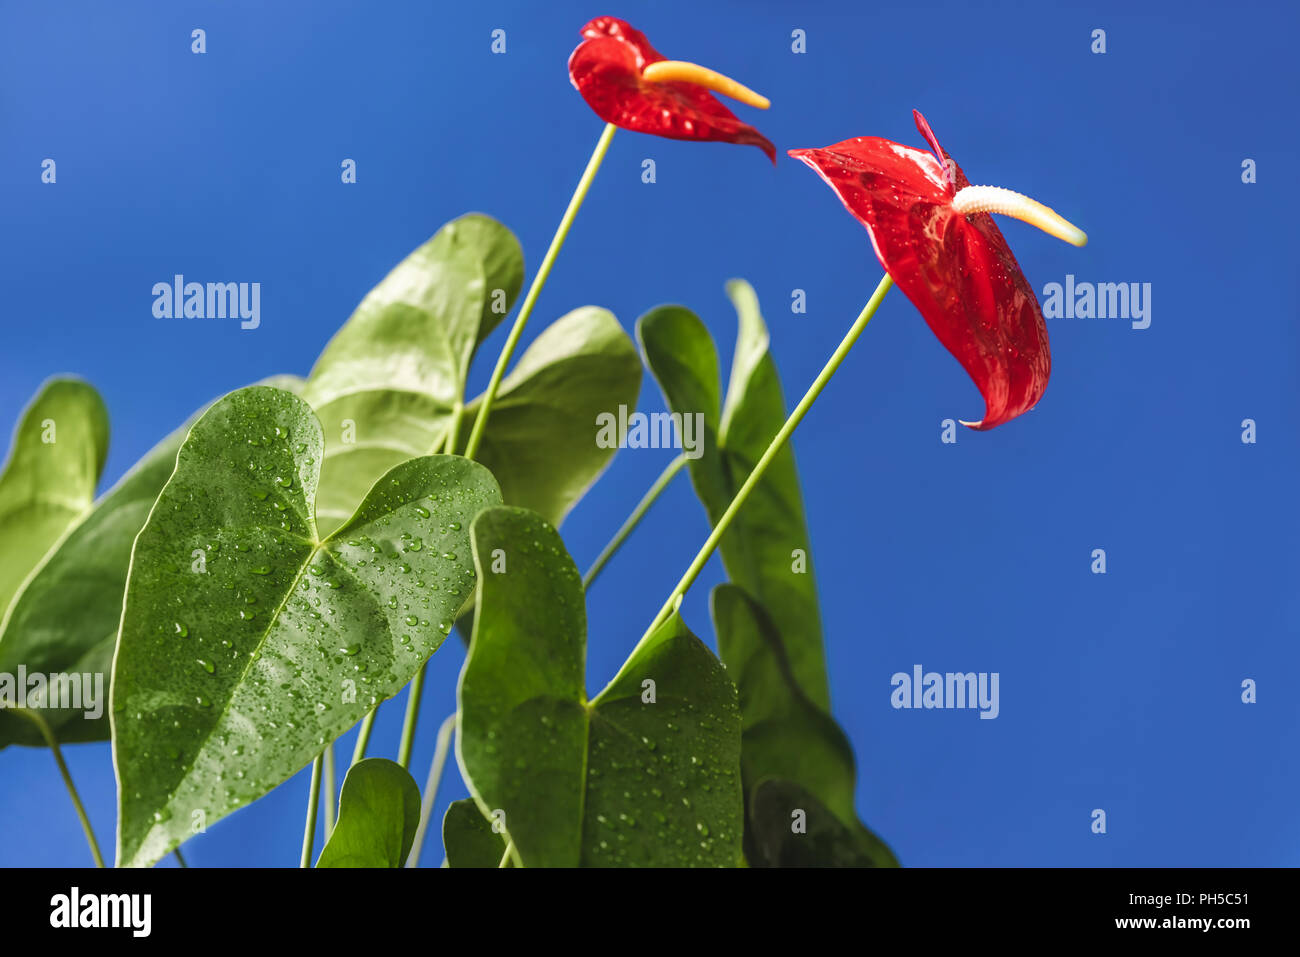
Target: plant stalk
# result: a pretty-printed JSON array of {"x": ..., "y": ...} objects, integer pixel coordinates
[
  {"x": 505, "y": 858},
  {"x": 313, "y": 801},
  {"x": 778, "y": 442},
  {"x": 539, "y": 280},
  {"x": 363, "y": 735},
  {"x": 415, "y": 692},
  {"x": 440, "y": 751},
  {"x": 331, "y": 788},
  {"x": 471, "y": 450},
  {"x": 633, "y": 520},
  {"x": 53, "y": 742}
]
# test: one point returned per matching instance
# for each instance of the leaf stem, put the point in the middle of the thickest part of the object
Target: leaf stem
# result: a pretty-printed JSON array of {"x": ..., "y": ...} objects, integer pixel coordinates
[
  {"x": 453, "y": 430},
  {"x": 633, "y": 520},
  {"x": 313, "y": 801},
  {"x": 440, "y": 751},
  {"x": 539, "y": 280},
  {"x": 180, "y": 858},
  {"x": 415, "y": 691},
  {"x": 778, "y": 442},
  {"x": 48, "y": 734},
  {"x": 363, "y": 736},
  {"x": 505, "y": 858},
  {"x": 330, "y": 785}
]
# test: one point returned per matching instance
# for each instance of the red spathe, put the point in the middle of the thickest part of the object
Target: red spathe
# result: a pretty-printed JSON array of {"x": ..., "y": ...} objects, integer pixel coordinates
[
  {"x": 606, "y": 69},
  {"x": 956, "y": 269}
]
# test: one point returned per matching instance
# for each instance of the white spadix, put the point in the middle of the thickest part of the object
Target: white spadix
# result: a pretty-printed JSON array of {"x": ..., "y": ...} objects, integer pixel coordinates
[{"x": 995, "y": 199}]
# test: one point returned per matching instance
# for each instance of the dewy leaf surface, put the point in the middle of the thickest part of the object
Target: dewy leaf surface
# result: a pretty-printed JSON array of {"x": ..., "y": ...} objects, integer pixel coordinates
[
  {"x": 248, "y": 642},
  {"x": 766, "y": 550},
  {"x": 468, "y": 838},
  {"x": 787, "y": 737},
  {"x": 646, "y": 773},
  {"x": 379, "y": 812},
  {"x": 64, "y": 620},
  {"x": 391, "y": 384},
  {"x": 49, "y": 480}
]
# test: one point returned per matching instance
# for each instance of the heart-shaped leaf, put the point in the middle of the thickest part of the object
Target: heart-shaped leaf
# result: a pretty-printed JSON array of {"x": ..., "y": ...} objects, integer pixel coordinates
[
  {"x": 391, "y": 384},
  {"x": 64, "y": 619},
  {"x": 468, "y": 838},
  {"x": 787, "y": 737},
  {"x": 766, "y": 549},
  {"x": 248, "y": 641},
  {"x": 646, "y": 773},
  {"x": 49, "y": 481},
  {"x": 379, "y": 812}
]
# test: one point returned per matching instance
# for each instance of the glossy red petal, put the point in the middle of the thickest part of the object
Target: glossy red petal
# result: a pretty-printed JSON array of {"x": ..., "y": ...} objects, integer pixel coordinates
[
  {"x": 957, "y": 270},
  {"x": 606, "y": 69}
]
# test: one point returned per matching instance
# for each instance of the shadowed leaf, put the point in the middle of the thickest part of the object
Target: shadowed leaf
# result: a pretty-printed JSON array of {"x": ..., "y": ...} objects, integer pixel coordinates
[
  {"x": 793, "y": 829},
  {"x": 379, "y": 812},
  {"x": 468, "y": 838},
  {"x": 786, "y": 736}
]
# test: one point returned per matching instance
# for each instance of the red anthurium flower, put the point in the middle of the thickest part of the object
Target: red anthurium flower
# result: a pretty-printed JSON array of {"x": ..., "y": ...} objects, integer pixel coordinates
[
  {"x": 933, "y": 234},
  {"x": 625, "y": 80}
]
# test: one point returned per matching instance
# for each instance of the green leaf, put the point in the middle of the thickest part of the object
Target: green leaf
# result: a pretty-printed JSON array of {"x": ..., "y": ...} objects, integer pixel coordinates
[
  {"x": 540, "y": 440},
  {"x": 379, "y": 812},
  {"x": 793, "y": 829},
  {"x": 64, "y": 619},
  {"x": 468, "y": 837},
  {"x": 391, "y": 384},
  {"x": 770, "y": 536},
  {"x": 248, "y": 641},
  {"x": 786, "y": 735},
  {"x": 646, "y": 773},
  {"x": 49, "y": 481}
]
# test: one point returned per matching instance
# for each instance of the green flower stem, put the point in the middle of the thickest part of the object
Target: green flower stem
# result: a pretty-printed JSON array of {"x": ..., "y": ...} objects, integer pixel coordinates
[
  {"x": 440, "y": 752},
  {"x": 180, "y": 858},
  {"x": 415, "y": 691},
  {"x": 313, "y": 801},
  {"x": 471, "y": 450},
  {"x": 48, "y": 734},
  {"x": 633, "y": 520},
  {"x": 778, "y": 442},
  {"x": 331, "y": 789},
  {"x": 539, "y": 280},
  {"x": 363, "y": 736}
]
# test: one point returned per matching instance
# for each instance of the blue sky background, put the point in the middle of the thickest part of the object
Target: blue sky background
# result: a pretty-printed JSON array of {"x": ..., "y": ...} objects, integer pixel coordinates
[{"x": 1119, "y": 692}]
